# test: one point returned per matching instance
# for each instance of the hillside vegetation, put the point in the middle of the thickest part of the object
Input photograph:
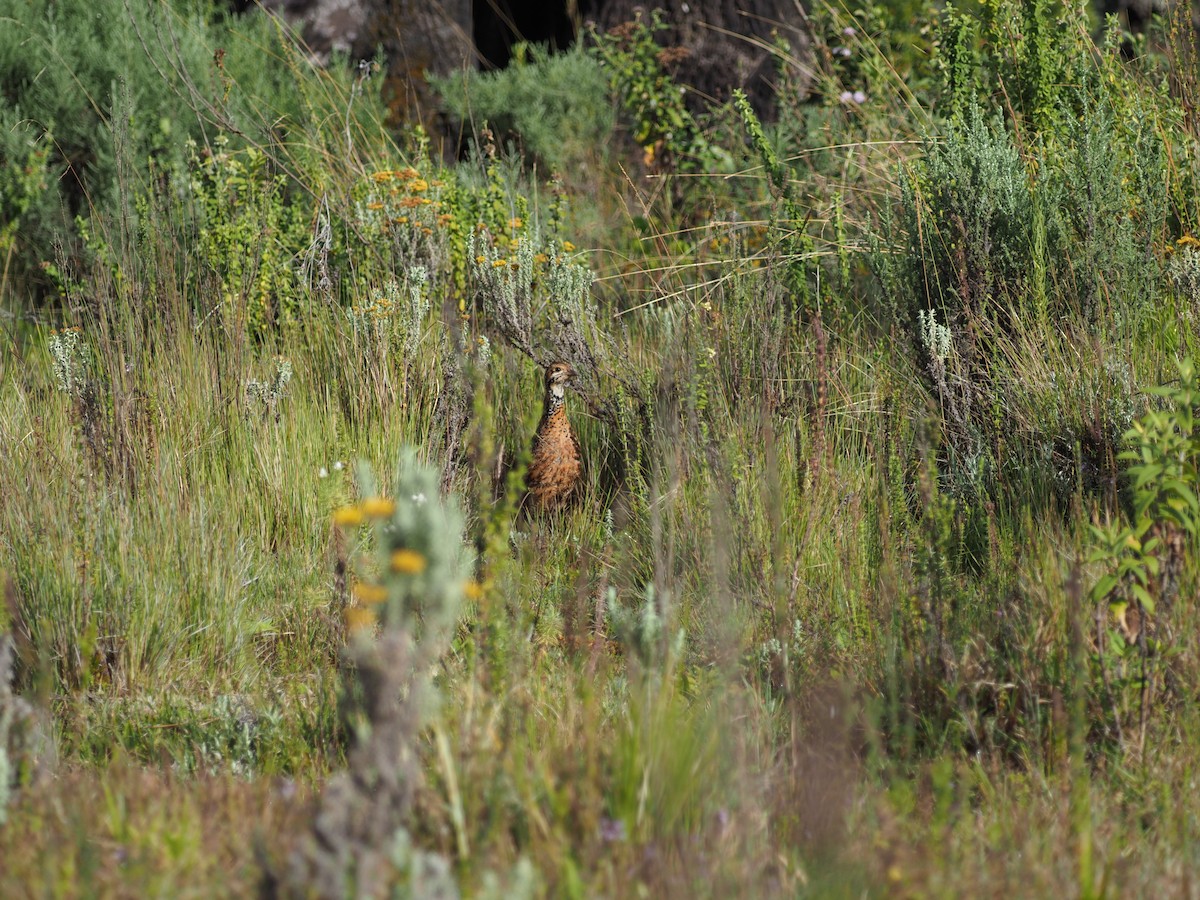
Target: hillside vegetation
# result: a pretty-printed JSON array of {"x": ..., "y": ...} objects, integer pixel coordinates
[{"x": 884, "y": 580}]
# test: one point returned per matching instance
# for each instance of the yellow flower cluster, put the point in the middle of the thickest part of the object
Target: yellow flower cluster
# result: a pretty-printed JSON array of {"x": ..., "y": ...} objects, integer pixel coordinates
[
  {"x": 406, "y": 174},
  {"x": 378, "y": 507},
  {"x": 408, "y": 191},
  {"x": 371, "y": 508},
  {"x": 368, "y": 593},
  {"x": 348, "y": 517},
  {"x": 359, "y": 619},
  {"x": 408, "y": 562},
  {"x": 378, "y": 310}
]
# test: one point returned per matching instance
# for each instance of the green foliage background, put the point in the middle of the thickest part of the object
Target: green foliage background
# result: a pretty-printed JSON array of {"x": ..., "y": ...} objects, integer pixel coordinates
[{"x": 884, "y": 578}]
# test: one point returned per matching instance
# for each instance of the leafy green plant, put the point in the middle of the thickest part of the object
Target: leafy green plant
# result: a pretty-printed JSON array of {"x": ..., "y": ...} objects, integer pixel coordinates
[
  {"x": 251, "y": 236},
  {"x": 97, "y": 98},
  {"x": 23, "y": 184},
  {"x": 1143, "y": 559},
  {"x": 663, "y": 127}
]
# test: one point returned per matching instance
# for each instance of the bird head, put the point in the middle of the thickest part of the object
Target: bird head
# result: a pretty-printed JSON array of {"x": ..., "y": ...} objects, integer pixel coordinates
[{"x": 558, "y": 376}]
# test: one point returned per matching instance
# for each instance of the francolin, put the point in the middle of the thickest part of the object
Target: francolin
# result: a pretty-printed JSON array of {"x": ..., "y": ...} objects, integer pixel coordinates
[{"x": 556, "y": 469}]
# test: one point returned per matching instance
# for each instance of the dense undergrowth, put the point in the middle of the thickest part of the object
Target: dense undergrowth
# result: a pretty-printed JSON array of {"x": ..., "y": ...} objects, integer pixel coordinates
[{"x": 884, "y": 576}]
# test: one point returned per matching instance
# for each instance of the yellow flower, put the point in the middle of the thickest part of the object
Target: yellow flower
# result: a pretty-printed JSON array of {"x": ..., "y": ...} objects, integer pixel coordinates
[
  {"x": 365, "y": 592},
  {"x": 481, "y": 260},
  {"x": 359, "y": 619},
  {"x": 382, "y": 176},
  {"x": 419, "y": 185},
  {"x": 403, "y": 220},
  {"x": 375, "y": 206},
  {"x": 541, "y": 259},
  {"x": 473, "y": 590},
  {"x": 568, "y": 247},
  {"x": 407, "y": 174},
  {"x": 515, "y": 223},
  {"x": 408, "y": 562},
  {"x": 348, "y": 516},
  {"x": 378, "y": 507},
  {"x": 498, "y": 264}
]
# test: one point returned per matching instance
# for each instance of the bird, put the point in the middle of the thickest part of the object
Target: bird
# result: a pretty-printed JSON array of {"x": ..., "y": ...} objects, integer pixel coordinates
[{"x": 555, "y": 476}]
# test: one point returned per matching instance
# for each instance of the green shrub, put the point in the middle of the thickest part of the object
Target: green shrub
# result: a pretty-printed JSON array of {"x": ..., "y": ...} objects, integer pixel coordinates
[
  {"x": 250, "y": 237},
  {"x": 968, "y": 218},
  {"x": 1139, "y": 642},
  {"x": 1047, "y": 215},
  {"x": 555, "y": 103},
  {"x": 96, "y": 94}
]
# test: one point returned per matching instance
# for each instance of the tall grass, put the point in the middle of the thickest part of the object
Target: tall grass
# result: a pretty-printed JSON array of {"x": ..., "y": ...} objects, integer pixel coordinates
[{"x": 846, "y": 607}]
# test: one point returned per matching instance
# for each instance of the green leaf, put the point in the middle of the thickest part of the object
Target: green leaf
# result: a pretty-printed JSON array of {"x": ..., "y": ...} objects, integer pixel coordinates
[
  {"x": 1142, "y": 474},
  {"x": 1143, "y": 597},
  {"x": 1186, "y": 494},
  {"x": 1104, "y": 587}
]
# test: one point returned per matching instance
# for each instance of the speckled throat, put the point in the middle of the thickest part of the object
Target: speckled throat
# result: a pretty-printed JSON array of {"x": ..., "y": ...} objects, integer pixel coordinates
[{"x": 556, "y": 399}]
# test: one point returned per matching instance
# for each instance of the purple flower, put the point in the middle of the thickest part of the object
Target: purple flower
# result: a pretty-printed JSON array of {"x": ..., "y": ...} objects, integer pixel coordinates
[
  {"x": 849, "y": 32},
  {"x": 611, "y": 830}
]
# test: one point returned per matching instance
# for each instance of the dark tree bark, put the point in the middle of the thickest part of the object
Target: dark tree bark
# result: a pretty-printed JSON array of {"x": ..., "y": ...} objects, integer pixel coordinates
[{"x": 728, "y": 42}]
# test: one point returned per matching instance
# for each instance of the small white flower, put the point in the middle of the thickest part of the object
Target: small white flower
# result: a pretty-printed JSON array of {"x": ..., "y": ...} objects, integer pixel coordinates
[
  {"x": 419, "y": 499},
  {"x": 338, "y": 466},
  {"x": 324, "y": 473}
]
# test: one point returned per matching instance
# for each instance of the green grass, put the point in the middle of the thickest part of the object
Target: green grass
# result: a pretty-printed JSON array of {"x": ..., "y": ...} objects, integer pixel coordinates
[{"x": 823, "y": 623}]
